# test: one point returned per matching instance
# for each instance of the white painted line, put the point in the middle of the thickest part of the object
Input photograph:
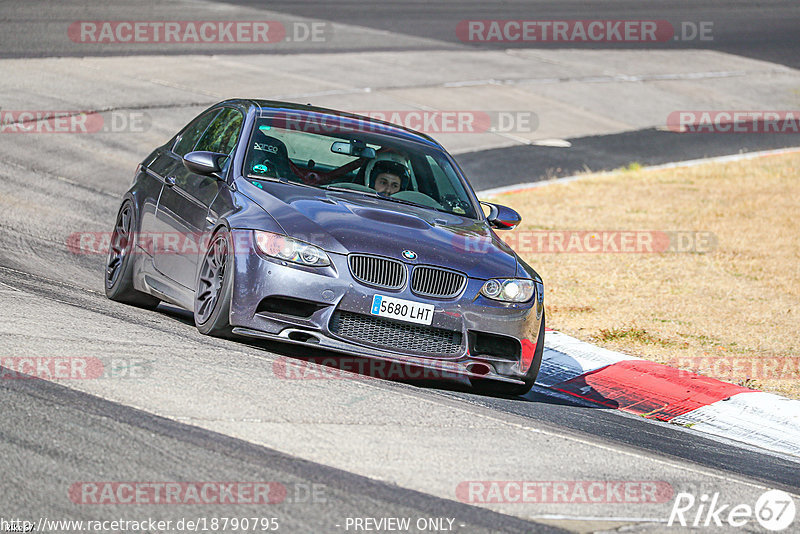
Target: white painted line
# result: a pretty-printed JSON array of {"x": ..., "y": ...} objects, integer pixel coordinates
[
  {"x": 12, "y": 288},
  {"x": 724, "y": 159},
  {"x": 679, "y": 164},
  {"x": 617, "y": 78},
  {"x": 471, "y": 83},
  {"x": 555, "y": 143},
  {"x": 599, "y": 518}
]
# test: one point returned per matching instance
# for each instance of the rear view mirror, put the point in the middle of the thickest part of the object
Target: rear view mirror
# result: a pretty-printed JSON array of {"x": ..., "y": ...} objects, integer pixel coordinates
[
  {"x": 354, "y": 148},
  {"x": 202, "y": 162},
  {"x": 502, "y": 217}
]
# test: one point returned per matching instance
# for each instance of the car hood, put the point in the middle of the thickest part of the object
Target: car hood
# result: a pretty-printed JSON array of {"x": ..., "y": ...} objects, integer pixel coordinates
[{"x": 344, "y": 222}]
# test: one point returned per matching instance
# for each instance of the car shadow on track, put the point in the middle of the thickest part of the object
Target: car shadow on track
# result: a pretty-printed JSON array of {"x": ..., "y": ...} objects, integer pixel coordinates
[{"x": 306, "y": 362}]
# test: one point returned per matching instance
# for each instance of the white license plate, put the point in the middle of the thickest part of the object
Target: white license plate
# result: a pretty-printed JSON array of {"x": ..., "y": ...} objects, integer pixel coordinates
[{"x": 402, "y": 310}]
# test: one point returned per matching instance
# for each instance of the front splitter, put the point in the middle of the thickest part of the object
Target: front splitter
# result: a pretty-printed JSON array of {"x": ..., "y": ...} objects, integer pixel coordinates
[{"x": 448, "y": 369}]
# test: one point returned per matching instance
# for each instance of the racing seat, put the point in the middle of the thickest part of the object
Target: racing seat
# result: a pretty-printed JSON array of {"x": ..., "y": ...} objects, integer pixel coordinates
[{"x": 269, "y": 157}]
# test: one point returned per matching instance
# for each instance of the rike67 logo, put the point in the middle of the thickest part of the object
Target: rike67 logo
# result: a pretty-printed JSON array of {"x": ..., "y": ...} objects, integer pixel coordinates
[{"x": 774, "y": 510}]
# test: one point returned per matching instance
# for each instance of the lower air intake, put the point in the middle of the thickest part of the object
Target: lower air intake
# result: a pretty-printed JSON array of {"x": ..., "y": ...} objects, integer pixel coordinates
[{"x": 395, "y": 336}]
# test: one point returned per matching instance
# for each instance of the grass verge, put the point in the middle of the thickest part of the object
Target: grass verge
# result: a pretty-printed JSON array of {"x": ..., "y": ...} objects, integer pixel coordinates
[{"x": 726, "y": 306}]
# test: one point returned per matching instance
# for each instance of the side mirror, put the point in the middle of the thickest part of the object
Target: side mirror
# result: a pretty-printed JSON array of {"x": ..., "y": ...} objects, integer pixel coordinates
[
  {"x": 502, "y": 217},
  {"x": 205, "y": 163}
]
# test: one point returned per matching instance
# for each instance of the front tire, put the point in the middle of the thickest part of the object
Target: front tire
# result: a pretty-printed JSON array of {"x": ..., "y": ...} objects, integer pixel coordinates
[
  {"x": 513, "y": 390},
  {"x": 119, "y": 262},
  {"x": 212, "y": 300}
]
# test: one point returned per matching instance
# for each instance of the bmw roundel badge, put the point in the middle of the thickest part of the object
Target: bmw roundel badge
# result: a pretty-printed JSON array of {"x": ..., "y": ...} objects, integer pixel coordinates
[{"x": 409, "y": 255}]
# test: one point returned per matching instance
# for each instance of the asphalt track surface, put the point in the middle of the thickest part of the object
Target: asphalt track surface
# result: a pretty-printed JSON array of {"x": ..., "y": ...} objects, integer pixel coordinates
[
  {"x": 80, "y": 434},
  {"x": 52, "y": 435},
  {"x": 764, "y": 30},
  {"x": 522, "y": 164}
]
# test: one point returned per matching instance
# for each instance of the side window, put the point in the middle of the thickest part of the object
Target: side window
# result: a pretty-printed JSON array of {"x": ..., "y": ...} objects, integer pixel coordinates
[
  {"x": 193, "y": 132},
  {"x": 223, "y": 133}
]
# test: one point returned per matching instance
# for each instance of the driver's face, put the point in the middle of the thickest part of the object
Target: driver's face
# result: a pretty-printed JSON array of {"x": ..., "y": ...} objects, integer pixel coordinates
[{"x": 387, "y": 183}]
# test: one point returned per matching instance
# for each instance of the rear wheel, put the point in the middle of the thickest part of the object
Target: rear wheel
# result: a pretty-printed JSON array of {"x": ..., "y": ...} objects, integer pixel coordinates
[
  {"x": 212, "y": 301},
  {"x": 513, "y": 390},
  {"x": 119, "y": 262}
]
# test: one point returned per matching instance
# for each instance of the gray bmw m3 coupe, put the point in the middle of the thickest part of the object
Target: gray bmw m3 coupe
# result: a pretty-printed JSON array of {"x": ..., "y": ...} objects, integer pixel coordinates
[{"x": 321, "y": 228}]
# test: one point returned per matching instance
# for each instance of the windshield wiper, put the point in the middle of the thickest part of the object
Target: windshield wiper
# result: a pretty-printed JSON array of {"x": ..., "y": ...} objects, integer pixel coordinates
[
  {"x": 279, "y": 180},
  {"x": 374, "y": 195},
  {"x": 349, "y": 190},
  {"x": 266, "y": 178}
]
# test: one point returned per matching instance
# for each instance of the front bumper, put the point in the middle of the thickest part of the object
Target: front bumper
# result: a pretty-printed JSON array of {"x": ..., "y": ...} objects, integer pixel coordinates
[{"x": 323, "y": 292}]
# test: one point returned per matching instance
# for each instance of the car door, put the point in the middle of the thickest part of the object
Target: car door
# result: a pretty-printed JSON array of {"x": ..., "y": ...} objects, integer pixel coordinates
[
  {"x": 182, "y": 214},
  {"x": 150, "y": 181},
  {"x": 156, "y": 171}
]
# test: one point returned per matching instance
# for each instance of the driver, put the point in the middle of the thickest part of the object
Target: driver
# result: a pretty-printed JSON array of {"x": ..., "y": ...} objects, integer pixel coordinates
[{"x": 388, "y": 177}]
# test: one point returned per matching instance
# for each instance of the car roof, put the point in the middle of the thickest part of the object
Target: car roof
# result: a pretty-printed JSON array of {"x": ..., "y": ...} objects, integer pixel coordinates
[{"x": 311, "y": 112}]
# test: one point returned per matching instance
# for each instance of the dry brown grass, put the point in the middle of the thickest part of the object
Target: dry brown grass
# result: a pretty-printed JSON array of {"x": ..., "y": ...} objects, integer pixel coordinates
[{"x": 732, "y": 313}]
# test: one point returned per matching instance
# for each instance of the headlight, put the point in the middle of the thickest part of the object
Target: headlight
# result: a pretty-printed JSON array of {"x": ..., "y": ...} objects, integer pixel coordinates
[
  {"x": 509, "y": 290},
  {"x": 288, "y": 249}
]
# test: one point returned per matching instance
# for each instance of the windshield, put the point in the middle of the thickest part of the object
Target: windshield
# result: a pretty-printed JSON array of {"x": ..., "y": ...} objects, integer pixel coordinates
[{"x": 355, "y": 161}]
